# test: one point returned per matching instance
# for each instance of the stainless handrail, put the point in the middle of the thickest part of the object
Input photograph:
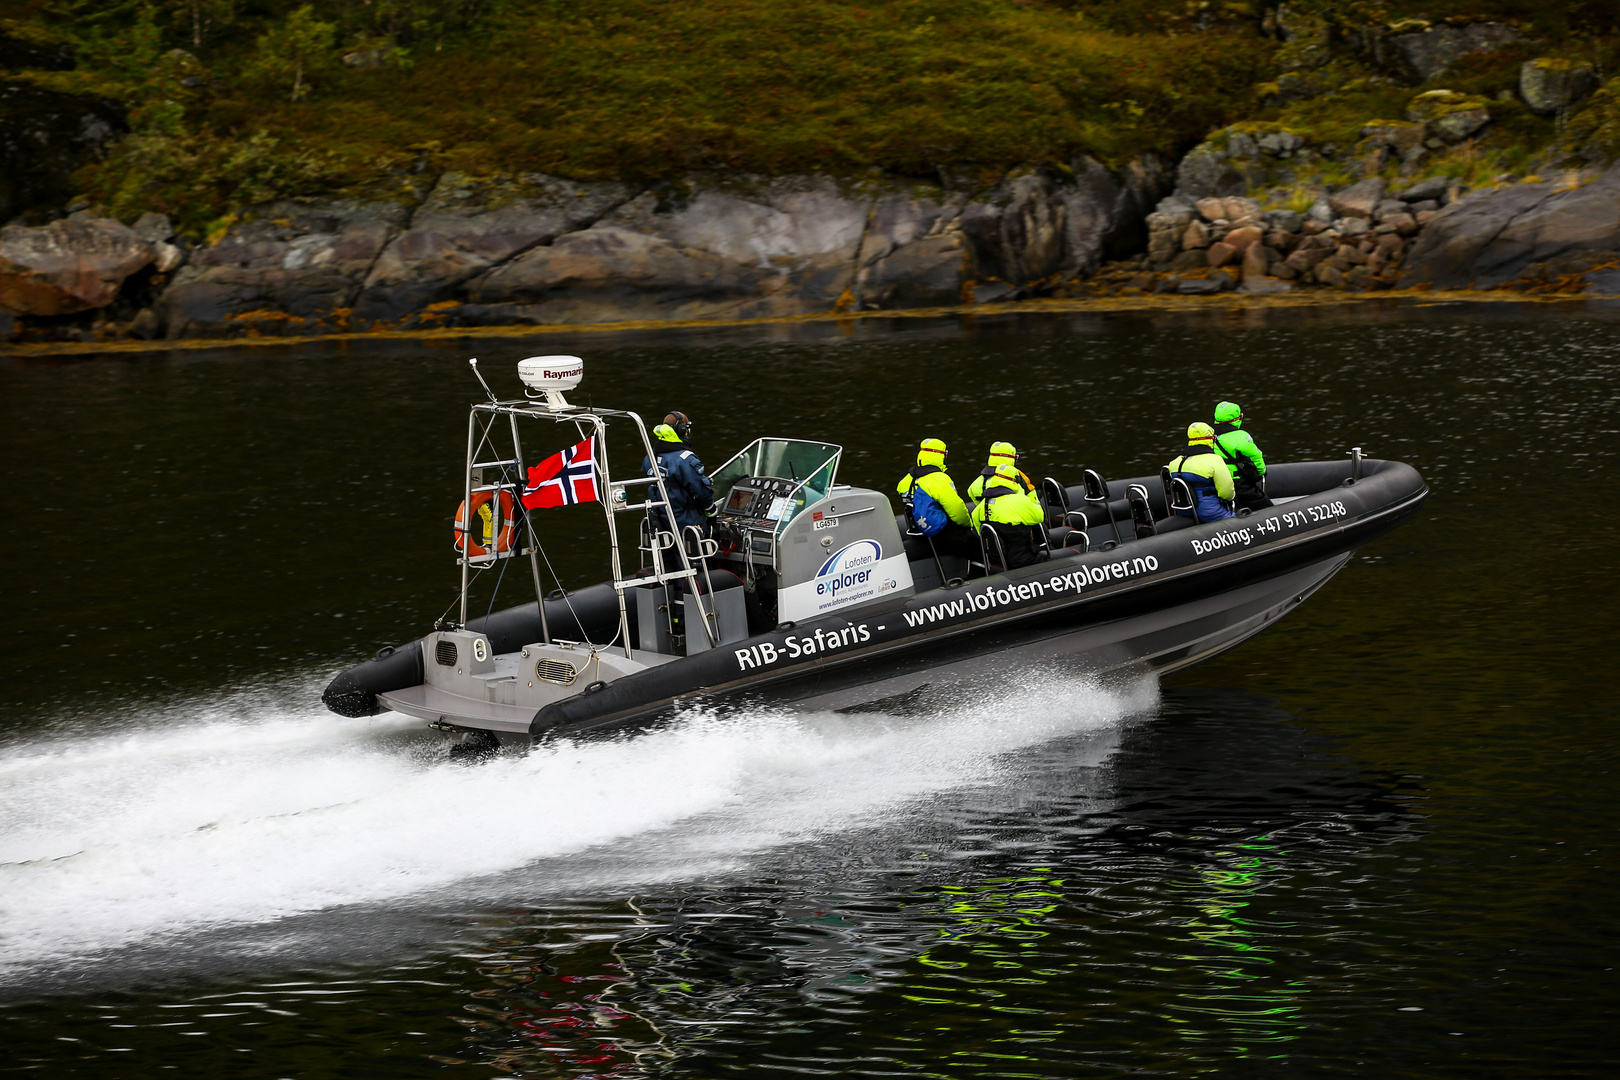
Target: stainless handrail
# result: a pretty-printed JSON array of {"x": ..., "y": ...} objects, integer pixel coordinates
[
  {"x": 1093, "y": 481},
  {"x": 595, "y": 422},
  {"x": 1001, "y": 549}
]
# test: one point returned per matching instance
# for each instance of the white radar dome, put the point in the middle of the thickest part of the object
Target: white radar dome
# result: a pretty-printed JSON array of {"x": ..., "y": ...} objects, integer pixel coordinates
[
  {"x": 548, "y": 376},
  {"x": 551, "y": 372}
]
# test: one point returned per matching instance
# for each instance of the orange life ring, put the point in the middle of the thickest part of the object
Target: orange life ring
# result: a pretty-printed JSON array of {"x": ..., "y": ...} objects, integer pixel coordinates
[{"x": 474, "y": 546}]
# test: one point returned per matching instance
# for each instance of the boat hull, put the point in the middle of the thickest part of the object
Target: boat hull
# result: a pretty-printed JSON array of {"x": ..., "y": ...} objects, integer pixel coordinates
[
  {"x": 1159, "y": 603},
  {"x": 1159, "y": 641}
]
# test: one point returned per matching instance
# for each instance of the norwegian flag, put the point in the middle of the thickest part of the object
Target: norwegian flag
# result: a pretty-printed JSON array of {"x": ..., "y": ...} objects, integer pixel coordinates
[{"x": 563, "y": 479}]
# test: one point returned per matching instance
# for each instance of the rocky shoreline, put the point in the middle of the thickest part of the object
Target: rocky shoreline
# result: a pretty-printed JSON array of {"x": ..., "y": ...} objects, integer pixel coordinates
[
  {"x": 542, "y": 252},
  {"x": 1253, "y": 209}
]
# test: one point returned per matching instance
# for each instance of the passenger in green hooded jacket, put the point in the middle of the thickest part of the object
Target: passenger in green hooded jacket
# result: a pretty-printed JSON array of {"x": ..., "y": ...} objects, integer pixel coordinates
[{"x": 1242, "y": 457}]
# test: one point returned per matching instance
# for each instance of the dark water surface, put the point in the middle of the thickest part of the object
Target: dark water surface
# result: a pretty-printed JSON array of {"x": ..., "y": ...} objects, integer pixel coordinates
[{"x": 1377, "y": 840}]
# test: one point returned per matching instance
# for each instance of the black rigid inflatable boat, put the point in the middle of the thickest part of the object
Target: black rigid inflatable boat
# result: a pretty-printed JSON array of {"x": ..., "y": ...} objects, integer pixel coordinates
[{"x": 811, "y": 595}]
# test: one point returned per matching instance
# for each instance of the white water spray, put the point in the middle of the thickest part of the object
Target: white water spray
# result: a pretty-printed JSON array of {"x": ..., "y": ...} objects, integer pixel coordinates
[{"x": 208, "y": 821}]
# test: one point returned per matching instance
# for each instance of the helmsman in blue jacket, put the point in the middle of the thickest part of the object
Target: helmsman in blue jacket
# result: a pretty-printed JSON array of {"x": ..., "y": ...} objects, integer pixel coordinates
[{"x": 691, "y": 493}]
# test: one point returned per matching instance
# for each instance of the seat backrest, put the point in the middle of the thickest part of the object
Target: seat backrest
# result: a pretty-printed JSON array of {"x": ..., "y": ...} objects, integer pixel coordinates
[
  {"x": 1096, "y": 487},
  {"x": 1182, "y": 499},
  {"x": 1141, "y": 511},
  {"x": 1059, "y": 537},
  {"x": 1054, "y": 494}
]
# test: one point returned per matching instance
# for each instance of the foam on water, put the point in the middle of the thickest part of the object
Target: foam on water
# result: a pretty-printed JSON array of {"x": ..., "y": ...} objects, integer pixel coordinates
[{"x": 233, "y": 814}]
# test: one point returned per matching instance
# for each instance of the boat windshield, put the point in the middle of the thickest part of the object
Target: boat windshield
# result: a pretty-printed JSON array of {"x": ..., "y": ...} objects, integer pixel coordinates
[{"x": 811, "y": 466}]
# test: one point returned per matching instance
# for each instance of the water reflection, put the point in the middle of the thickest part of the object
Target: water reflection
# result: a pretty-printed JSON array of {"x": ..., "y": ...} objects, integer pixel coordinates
[
  {"x": 1406, "y": 872},
  {"x": 1142, "y": 907}
]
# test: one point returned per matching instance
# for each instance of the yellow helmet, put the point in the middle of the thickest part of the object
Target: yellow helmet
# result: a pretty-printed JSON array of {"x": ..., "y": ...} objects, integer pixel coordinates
[
  {"x": 1002, "y": 453},
  {"x": 1008, "y": 472},
  {"x": 931, "y": 452},
  {"x": 1200, "y": 432}
]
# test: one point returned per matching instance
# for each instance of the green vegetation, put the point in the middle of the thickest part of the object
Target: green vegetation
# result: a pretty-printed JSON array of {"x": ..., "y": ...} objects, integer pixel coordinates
[
  {"x": 236, "y": 101},
  {"x": 642, "y": 88}
]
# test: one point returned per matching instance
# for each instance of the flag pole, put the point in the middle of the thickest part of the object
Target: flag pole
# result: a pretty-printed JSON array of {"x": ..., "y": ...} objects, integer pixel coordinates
[{"x": 534, "y": 539}]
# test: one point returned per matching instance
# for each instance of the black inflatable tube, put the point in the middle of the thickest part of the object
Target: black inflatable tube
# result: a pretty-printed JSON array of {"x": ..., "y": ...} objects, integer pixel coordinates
[
  {"x": 589, "y": 614},
  {"x": 1188, "y": 564},
  {"x": 354, "y": 692}
]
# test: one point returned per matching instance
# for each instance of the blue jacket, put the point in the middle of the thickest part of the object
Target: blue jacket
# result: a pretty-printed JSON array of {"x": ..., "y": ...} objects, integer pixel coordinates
[
  {"x": 690, "y": 491},
  {"x": 1209, "y": 478}
]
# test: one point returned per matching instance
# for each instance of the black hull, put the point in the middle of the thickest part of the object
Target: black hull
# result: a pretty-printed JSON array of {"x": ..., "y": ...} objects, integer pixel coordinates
[{"x": 1157, "y": 603}]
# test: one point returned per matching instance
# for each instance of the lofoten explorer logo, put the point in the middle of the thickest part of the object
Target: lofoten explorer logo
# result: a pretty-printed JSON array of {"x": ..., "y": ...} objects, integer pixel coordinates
[{"x": 848, "y": 568}]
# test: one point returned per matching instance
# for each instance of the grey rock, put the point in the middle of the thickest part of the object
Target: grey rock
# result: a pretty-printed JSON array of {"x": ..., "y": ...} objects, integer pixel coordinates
[
  {"x": 1598, "y": 283},
  {"x": 1550, "y": 86},
  {"x": 167, "y": 257},
  {"x": 993, "y": 291},
  {"x": 1241, "y": 145},
  {"x": 304, "y": 261},
  {"x": 1241, "y": 209},
  {"x": 146, "y": 325},
  {"x": 927, "y": 273},
  {"x": 1305, "y": 259},
  {"x": 1280, "y": 143},
  {"x": 1169, "y": 220},
  {"x": 1189, "y": 260},
  {"x": 609, "y": 274},
  {"x": 538, "y": 250},
  {"x": 1286, "y": 220},
  {"x": 1387, "y": 207},
  {"x": 1138, "y": 186},
  {"x": 1205, "y": 172},
  {"x": 1428, "y": 53},
  {"x": 1177, "y": 206},
  {"x": 1432, "y": 188},
  {"x": 1354, "y": 226},
  {"x": 1403, "y": 137},
  {"x": 1489, "y": 237},
  {"x": 8, "y": 326},
  {"x": 1163, "y": 246},
  {"x": 67, "y": 266},
  {"x": 1020, "y": 228},
  {"x": 468, "y": 225},
  {"x": 1454, "y": 127},
  {"x": 1263, "y": 285},
  {"x": 1404, "y": 224},
  {"x": 1321, "y": 210},
  {"x": 1203, "y": 286},
  {"x": 153, "y": 228},
  {"x": 1360, "y": 199}
]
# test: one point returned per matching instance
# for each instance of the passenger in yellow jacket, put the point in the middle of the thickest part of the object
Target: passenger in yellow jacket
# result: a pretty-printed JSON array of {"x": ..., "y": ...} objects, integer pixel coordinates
[
  {"x": 1206, "y": 473},
  {"x": 936, "y": 509},
  {"x": 1007, "y": 507},
  {"x": 1001, "y": 453}
]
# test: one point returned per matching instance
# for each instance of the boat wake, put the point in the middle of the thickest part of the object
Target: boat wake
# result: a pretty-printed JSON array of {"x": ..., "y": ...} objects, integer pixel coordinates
[{"x": 228, "y": 814}]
